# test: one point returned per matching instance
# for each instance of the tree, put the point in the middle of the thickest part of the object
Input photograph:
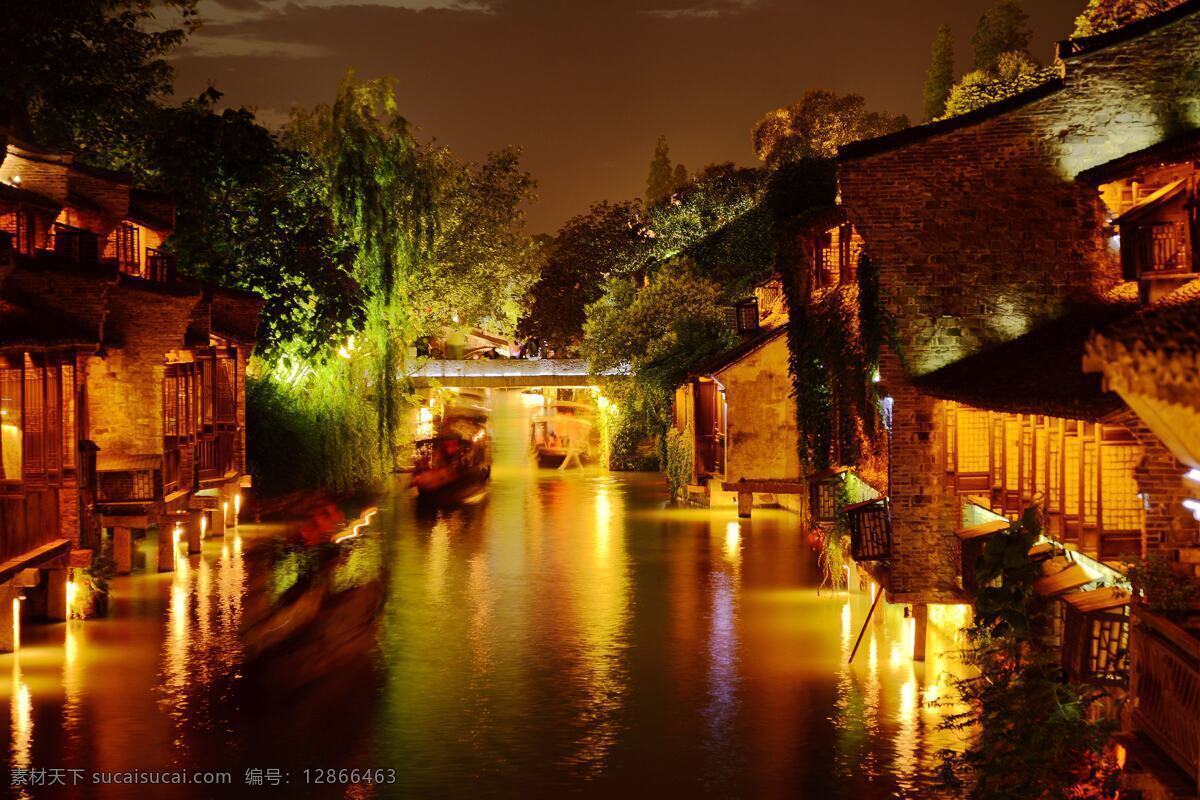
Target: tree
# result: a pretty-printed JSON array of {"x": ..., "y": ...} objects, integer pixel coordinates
[
  {"x": 1102, "y": 16},
  {"x": 384, "y": 195},
  {"x": 1003, "y": 28},
  {"x": 585, "y": 251},
  {"x": 940, "y": 77},
  {"x": 253, "y": 214},
  {"x": 1012, "y": 74},
  {"x": 680, "y": 178},
  {"x": 660, "y": 180},
  {"x": 817, "y": 125},
  {"x": 1029, "y": 733},
  {"x": 86, "y": 74},
  {"x": 482, "y": 262},
  {"x": 662, "y": 329}
]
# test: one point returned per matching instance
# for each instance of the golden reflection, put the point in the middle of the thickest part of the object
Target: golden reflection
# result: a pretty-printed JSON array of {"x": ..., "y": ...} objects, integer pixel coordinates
[
  {"x": 601, "y": 603},
  {"x": 72, "y": 678},
  {"x": 437, "y": 558},
  {"x": 21, "y": 706},
  {"x": 733, "y": 541}
]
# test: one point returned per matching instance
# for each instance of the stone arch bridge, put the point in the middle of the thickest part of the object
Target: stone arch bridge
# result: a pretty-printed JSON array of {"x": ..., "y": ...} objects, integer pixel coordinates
[{"x": 507, "y": 373}]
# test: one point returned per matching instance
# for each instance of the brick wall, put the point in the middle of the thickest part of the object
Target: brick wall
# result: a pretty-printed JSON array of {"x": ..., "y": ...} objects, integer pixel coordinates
[
  {"x": 762, "y": 440},
  {"x": 980, "y": 232},
  {"x": 125, "y": 403}
]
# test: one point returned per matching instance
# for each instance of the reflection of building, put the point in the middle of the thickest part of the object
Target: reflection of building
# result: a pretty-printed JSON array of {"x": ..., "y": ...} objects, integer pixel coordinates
[
  {"x": 1019, "y": 251},
  {"x": 737, "y": 410},
  {"x": 121, "y": 383}
]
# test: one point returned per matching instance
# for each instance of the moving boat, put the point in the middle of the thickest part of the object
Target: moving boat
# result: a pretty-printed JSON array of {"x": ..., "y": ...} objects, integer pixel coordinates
[
  {"x": 564, "y": 435},
  {"x": 458, "y": 458}
]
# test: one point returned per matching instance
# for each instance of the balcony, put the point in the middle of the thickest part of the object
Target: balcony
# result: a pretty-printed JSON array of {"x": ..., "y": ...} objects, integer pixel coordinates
[
  {"x": 129, "y": 480},
  {"x": 215, "y": 455},
  {"x": 1165, "y": 689},
  {"x": 160, "y": 266},
  {"x": 870, "y": 530},
  {"x": 75, "y": 244}
]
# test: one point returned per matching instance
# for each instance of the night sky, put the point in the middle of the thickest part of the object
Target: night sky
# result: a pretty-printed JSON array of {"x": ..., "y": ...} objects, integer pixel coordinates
[{"x": 586, "y": 86}]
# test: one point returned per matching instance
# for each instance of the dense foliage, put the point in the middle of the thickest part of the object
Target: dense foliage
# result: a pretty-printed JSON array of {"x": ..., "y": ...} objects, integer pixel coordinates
[
  {"x": 817, "y": 125},
  {"x": 1014, "y": 72},
  {"x": 1029, "y": 733},
  {"x": 1102, "y": 16},
  {"x": 1003, "y": 28},
  {"x": 940, "y": 76},
  {"x": 88, "y": 74}
]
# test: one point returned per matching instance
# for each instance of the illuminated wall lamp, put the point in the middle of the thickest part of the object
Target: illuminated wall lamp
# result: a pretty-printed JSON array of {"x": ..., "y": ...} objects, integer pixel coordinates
[
  {"x": 1192, "y": 475},
  {"x": 1193, "y": 506}
]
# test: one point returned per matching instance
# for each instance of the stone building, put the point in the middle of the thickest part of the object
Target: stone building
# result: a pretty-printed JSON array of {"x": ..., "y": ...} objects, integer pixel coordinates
[
  {"x": 121, "y": 382},
  {"x": 1022, "y": 249},
  {"x": 736, "y": 410}
]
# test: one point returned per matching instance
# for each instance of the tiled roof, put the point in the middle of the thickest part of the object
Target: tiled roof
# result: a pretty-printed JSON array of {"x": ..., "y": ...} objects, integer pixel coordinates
[
  {"x": 1183, "y": 147},
  {"x": 23, "y": 327},
  {"x": 1038, "y": 373},
  {"x": 15, "y": 194},
  {"x": 746, "y": 347}
]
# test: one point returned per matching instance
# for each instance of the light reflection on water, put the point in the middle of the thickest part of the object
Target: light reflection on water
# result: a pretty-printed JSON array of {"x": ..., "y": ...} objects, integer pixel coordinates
[{"x": 565, "y": 633}]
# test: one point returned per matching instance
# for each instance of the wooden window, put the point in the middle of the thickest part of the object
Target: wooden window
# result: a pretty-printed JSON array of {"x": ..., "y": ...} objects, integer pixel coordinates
[
  {"x": 1041, "y": 444},
  {"x": 11, "y": 444},
  {"x": 34, "y": 468},
  {"x": 972, "y": 446},
  {"x": 171, "y": 406},
  {"x": 19, "y": 226},
  {"x": 181, "y": 398},
  {"x": 226, "y": 391},
  {"x": 69, "y": 435},
  {"x": 1054, "y": 468},
  {"x": 207, "y": 386},
  {"x": 1121, "y": 507},
  {"x": 53, "y": 438},
  {"x": 1072, "y": 474},
  {"x": 124, "y": 247},
  {"x": 1091, "y": 483}
]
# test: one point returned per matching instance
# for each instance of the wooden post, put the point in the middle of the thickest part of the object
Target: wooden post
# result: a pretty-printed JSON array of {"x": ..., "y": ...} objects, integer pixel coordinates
[
  {"x": 216, "y": 520},
  {"x": 9, "y": 624},
  {"x": 166, "y": 546},
  {"x": 921, "y": 629},
  {"x": 123, "y": 550},
  {"x": 56, "y": 597},
  {"x": 745, "y": 503},
  {"x": 192, "y": 525}
]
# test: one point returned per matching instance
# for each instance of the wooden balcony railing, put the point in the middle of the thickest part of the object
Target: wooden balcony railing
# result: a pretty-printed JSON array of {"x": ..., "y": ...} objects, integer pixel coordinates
[
  {"x": 160, "y": 266},
  {"x": 870, "y": 530},
  {"x": 129, "y": 479},
  {"x": 1165, "y": 688},
  {"x": 75, "y": 244},
  {"x": 215, "y": 454}
]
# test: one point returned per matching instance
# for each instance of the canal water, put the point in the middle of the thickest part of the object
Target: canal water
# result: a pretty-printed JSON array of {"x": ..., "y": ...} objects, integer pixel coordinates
[{"x": 563, "y": 634}]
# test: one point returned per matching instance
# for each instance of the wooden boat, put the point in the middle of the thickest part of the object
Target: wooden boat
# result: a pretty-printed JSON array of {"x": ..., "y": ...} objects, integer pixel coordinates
[
  {"x": 458, "y": 458},
  {"x": 564, "y": 435},
  {"x": 315, "y": 631}
]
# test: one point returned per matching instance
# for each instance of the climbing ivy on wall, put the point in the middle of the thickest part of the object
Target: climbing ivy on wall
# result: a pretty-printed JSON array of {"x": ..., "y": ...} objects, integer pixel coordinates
[{"x": 680, "y": 456}]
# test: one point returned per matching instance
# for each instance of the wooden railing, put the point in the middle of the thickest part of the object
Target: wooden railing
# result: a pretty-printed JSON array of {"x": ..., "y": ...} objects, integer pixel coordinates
[
  {"x": 710, "y": 455},
  {"x": 160, "y": 266},
  {"x": 1165, "y": 688},
  {"x": 870, "y": 530},
  {"x": 216, "y": 454}
]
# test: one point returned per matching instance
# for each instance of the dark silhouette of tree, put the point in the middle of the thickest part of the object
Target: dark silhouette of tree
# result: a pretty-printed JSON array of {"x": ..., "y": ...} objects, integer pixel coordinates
[
  {"x": 86, "y": 74},
  {"x": 660, "y": 180},
  {"x": 1003, "y": 28},
  {"x": 940, "y": 76}
]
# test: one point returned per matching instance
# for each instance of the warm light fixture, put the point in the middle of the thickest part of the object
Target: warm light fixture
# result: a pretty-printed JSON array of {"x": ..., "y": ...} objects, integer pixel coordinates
[
  {"x": 16, "y": 180},
  {"x": 1192, "y": 475},
  {"x": 1193, "y": 506}
]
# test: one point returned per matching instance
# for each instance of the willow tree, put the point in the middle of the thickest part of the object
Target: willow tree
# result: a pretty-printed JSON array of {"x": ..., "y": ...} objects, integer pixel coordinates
[{"x": 383, "y": 195}]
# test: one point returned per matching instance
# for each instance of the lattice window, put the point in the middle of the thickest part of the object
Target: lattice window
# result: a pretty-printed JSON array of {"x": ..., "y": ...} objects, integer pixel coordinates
[
  {"x": 53, "y": 417},
  {"x": 19, "y": 225},
  {"x": 68, "y": 416},
  {"x": 1041, "y": 443},
  {"x": 181, "y": 391},
  {"x": 1108, "y": 646},
  {"x": 972, "y": 444},
  {"x": 11, "y": 445},
  {"x": 1072, "y": 453},
  {"x": 1054, "y": 470},
  {"x": 1121, "y": 509},
  {"x": 831, "y": 256},
  {"x": 1012, "y": 454},
  {"x": 226, "y": 388},
  {"x": 35, "y": 421},
  {"x": 171, "y": 406},
  {"x": 951, "y": 437},
  {"x": 1091, "y": 484},
  {"x": 1027, "y": 463},
  {"x": 997, "y": 452}
]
